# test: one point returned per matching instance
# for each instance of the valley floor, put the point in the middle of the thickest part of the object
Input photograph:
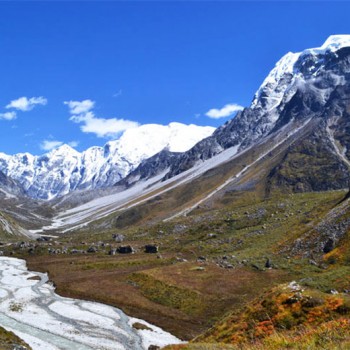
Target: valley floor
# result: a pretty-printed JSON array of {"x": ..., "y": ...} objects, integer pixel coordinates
[{"x": 211, "y": 266}]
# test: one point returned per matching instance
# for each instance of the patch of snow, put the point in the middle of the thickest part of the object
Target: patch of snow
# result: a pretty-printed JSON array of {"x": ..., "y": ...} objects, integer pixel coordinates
[
  {"x": 3, "y": 293},
  {"x": 154, "y": 335},
  {"x": 100, "y": 309}
]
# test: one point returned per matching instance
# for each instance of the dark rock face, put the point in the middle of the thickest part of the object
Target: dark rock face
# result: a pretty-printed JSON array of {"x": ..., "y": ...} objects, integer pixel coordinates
[{"x": 315, "y": 162}]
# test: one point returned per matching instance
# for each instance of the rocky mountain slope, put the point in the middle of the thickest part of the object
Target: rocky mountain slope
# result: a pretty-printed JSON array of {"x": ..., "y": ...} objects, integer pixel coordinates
[{"x": 64, "y": 169}]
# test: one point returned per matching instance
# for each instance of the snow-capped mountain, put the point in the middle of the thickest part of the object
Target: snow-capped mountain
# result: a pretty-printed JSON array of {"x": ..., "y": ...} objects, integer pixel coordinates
[
  {"x": 312, "y": 84},
  {"x": 64, "y": 169},
  {"x": 301, "y": 85}
]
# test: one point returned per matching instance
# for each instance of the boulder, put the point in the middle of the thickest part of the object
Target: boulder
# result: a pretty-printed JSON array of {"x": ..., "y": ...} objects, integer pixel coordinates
[
  {"x": 268, "y": 264},
  {"x": 151, "y": 248},
  {"x": 126, "y": 249},
  {"x": 112, "y": 251},
  {"x": 118, "y": 237},
  {"x": 77, "y": 251},
  {"x": 92, "y": 249}
]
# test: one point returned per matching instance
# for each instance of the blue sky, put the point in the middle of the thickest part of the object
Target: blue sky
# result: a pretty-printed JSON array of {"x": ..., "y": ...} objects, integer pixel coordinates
[{"x": 141, "y": 62}]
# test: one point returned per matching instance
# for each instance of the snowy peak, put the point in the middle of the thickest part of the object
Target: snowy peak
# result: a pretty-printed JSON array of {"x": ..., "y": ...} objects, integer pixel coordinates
[
  {"x": 64, "y": 169},
  {"x": 286, "y": 64},
  {"x": 64, "y": 150},
  {"x": 333, "y": 43},
  {"x": 292, "y": 70}
]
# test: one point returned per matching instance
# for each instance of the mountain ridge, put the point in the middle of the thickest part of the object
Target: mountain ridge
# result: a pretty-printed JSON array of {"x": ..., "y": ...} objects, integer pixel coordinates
[
  {"x": 302, "y": 81},
  {"x": 64, "y": 169}
]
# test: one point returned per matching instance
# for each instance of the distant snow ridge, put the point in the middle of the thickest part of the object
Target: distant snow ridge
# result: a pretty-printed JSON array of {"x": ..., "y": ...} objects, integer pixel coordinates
[{"x": 64, "y": 169}]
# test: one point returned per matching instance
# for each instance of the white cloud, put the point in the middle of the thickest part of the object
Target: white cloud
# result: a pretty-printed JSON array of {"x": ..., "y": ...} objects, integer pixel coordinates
[
  {"x": 8, "y": 115},
  {"x": 25, "y": 104},
  {"x": 48, "y": 145},
  {"x": 225, "y": 111},
  {"x": 73, "y": 144},
  {"x": 78, "y": 107},
  {"x": 103, "y": 127},
  {"x": 108, "y": 128}
]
